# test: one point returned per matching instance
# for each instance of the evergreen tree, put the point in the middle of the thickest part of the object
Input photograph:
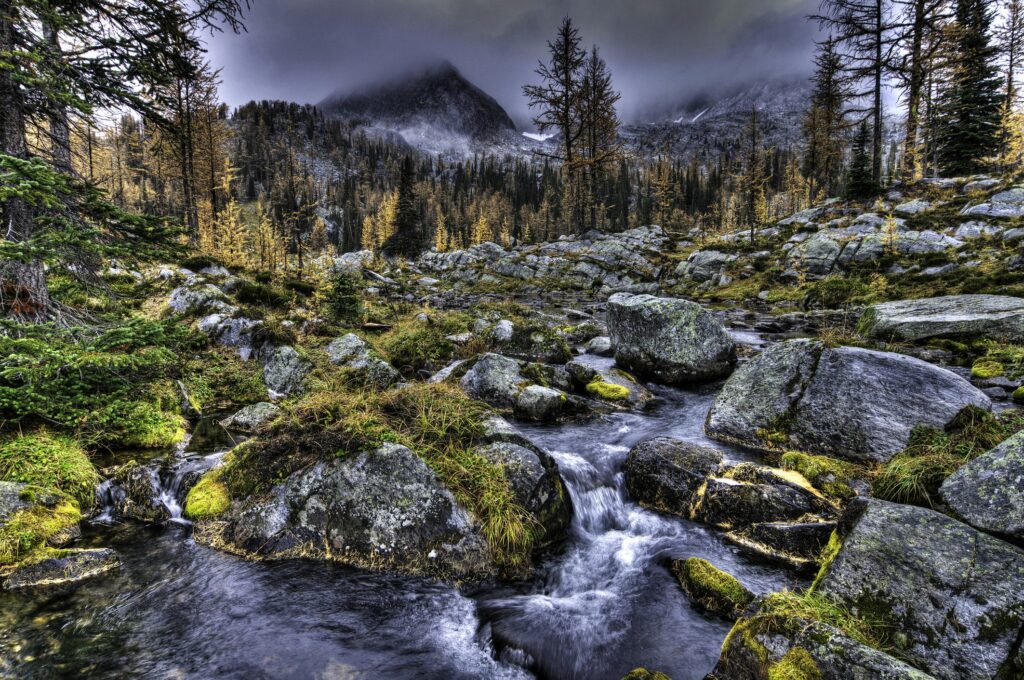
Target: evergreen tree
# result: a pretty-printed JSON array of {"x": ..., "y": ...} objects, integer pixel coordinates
[
  {"x": 825, "y": 122},
  {"x": 123, "y": 53},
  {"x": 969, "y": 110},
  {"x": 408, "y": 238},
  {"x": 601, "y": 146},
  {"x": 860, "y": 182}
]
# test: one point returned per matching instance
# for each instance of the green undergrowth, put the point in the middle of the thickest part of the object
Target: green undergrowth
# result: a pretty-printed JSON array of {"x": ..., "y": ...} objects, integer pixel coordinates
[
  {"x": 914, "y": 475},
  {"x": 49, "y": 461},
  {"x": 217, "y": 380},
  {"x": 413, "y": 345},
  {"x": 786, "y": 607},
  {"x": 1000, "y": 359},
  {"x": 438, "y": 422},
  {"x": 111, "y": 387}
]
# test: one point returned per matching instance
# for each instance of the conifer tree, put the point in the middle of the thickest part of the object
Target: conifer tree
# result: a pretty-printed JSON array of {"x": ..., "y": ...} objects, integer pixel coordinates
[
  {"x": 825, "y": 122},
  {"x": 970, "y": 107},
  {"x": 407, "y": 237},
  {"x": 860, "y": 182}
]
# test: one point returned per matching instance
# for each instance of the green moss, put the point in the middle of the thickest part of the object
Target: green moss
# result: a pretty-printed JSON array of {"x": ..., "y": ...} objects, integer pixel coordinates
[
  {"x": 644, "y": 674},
  {"x": 786, "y": 608},
  {"x": 986, "y": 368},
  {"x": 27, "y": 531},
  {"x": 49, "y": 461},
  {"x": 608, "y": 391},
  {"x": 828, "y": 475},
  {"x": 1018, "y": 395},
  {"x": 208, "y": 498},
  {"x": 711, "y": 588},
  {"x": 797, "y": 664},
  {"x": 828, "y": 555},
  {"x": 914, "y": 475}
]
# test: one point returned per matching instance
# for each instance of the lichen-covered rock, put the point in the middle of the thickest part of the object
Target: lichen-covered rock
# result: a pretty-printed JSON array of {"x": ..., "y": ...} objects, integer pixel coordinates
[
  {"x": 988, "y": 492},
  {"x": 62, "y": 568},
  {"x": 600, "y": 346},
  {"x": 766, "y": 646},
  {"x": 229, "y": 331},
  {"x": 847, "y": 402},
  {"x": 540, "y": 404},
  {"x": 356, "y": 355},
  {"x": 250, "y": 418},
  {"x": 669, "y": 340},
  {"x": 665, "y": 474},
  {"x": 494, "y": 379},
  {"x": 1009, "y": 203},
  {"x": 284, "y": 371},
  {"x": 953, "y": 316},
  {"x": 703, "y": 265},
  {"x": 383, "y": 508},
  {"x": 538, "y": 487},
  {"x": 953, "y": 596},
  {"x": 727, "y": 503},
  {"x": 795, "y": 544},
  {"x": 609, "y": 385},
  {"x": 815, "y": 257},
  {"x": 195, "y": 299}
]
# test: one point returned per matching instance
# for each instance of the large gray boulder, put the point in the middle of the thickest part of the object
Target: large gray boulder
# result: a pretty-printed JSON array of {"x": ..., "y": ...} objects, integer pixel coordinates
[
  {"x": 953, "y": 316},
  {"x": 250, "y": 418},
  {"x": 952, "y": 596},
  {"x": 284, "y": 371},
  {"x": 988, "y": 492},
  {"x": 356, "y": 355},
  {"x": 540, "y": 404},
  {"x": 197, "y": 298},
  {"x": 1009, "y": 203},
  {"x": 669, "y": 340},
  {"x": 383, "y": 508},
  {"x": 815, "y": 257},
  {"x": 495, "y": 380},
  {"x": 665, "y": 474},
  {"x": 847, "y": 402},
  {"x": 703, "y": 265}
]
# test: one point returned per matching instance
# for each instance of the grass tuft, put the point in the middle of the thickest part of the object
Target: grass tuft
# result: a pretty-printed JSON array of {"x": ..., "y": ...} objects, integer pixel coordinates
[
  {"x": 796, "y": 664},
  {"x": 50, "y": 462},
  {"x": 208, "y": 498}
]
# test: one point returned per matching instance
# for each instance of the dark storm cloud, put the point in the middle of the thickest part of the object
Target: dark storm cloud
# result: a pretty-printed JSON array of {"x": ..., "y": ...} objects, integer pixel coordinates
[{"x": 659, "y": 50}]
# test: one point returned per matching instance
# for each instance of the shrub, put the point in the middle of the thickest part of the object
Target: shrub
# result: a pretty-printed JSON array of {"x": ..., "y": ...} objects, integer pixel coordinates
[
  {"x": 50, "y": 462},
  {"x": 199, "y": 262},
  {"x": 414, "y": 346},
  {"x": 303, "y": 288},
  {"x": 833, "y": 292},
  {"x": 136, "y": 424},
  {"x": 261, "y": 294},
  {"x": 344, "y": 300}
]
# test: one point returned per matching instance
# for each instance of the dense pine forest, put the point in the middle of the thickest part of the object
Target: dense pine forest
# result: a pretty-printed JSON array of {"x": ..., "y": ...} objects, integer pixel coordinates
[{"x": 387, "y": 386}]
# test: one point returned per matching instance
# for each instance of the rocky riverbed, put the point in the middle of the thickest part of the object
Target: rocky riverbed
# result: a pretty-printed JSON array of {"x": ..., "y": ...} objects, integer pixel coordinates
[{"x": 691, "y": 453}]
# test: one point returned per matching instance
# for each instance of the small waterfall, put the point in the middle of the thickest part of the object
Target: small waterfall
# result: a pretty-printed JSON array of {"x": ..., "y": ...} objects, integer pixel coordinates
[{"x": 169, "y": 481}]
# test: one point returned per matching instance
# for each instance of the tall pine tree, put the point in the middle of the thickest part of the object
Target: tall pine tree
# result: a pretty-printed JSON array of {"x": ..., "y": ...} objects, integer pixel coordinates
[{"x": 969, "y": 108}]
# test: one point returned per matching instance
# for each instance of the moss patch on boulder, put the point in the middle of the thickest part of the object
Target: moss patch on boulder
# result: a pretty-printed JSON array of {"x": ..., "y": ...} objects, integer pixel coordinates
[
  {"x": 712, "y": 589},
  {"x": 607, "y": 391},
  {"x": 796, "y": 664},
  {"x": 828, "y": 475},
  {"x": 208, "y": 498},
  {"x": 26, "y": 531}
]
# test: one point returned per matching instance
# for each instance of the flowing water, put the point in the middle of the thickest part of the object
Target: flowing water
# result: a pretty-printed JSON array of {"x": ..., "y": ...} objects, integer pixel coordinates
[{"x": 605, "y": 603}]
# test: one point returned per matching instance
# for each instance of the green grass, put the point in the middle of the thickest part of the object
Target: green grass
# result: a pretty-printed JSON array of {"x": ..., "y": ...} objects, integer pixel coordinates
[
  {"x": 796, "y": 664},
  {"x": 51, "y": 462},
  {"x": 914, "y": 475},
  {"x": 783, "y": 607}
]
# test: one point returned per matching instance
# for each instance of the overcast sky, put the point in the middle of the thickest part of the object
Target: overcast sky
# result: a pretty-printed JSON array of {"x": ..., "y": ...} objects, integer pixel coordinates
[{"x": 660, "y": 51}]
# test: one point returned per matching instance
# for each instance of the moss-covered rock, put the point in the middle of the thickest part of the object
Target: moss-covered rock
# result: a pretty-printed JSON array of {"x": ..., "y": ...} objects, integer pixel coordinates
[
  {"x": 711, "y": 589},
  {"x": 644, "y": 674},
  {"x": 26, "y": 531},
  {"x": 667, "y": 474},
  {"x": 796, "y": 664},
  {"x": 599, "y": 389},
  {"x": 208, "y": 498},
  {"x": 61, "y": 567},
  {"x": 986, "y": 368}
]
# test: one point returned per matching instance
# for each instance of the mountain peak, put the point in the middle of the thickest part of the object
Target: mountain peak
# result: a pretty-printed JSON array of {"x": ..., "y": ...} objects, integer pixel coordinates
[{"x": 433, "y": 102}]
